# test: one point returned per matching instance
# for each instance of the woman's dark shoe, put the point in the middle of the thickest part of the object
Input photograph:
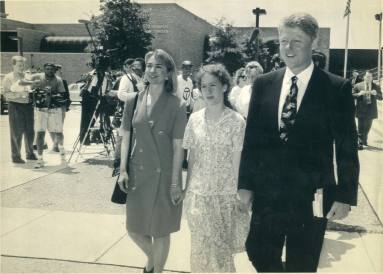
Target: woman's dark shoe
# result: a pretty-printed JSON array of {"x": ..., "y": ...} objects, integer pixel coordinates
[{"x": 148, "y": 271}]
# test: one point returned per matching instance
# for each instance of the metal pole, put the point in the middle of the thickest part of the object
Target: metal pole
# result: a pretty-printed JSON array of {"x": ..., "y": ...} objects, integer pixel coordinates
[
  {"x": 20, "y": 45},
  {"x": 380, "y": 49},
  {"x": 346, "y": 48}
]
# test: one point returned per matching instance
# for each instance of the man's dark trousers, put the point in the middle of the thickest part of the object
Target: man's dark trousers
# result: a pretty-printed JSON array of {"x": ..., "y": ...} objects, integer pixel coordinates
[
  {"x": 289, "y": 219},
  {"x": 21, "y": 122},
  {"x": 364, "y": 126}
]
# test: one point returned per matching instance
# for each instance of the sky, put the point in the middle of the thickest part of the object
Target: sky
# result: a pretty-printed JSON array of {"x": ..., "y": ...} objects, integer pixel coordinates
[{"x": 364, "y": 29}]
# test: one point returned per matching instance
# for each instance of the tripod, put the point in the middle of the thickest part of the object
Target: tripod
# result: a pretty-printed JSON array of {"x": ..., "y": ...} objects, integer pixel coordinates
[
  {"x": 104, "y": 130},
  {"x": 99, "y": 117}
]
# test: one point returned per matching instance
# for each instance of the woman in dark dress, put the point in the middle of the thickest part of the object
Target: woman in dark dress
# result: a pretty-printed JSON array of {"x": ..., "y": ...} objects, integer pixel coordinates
[{"x": 154, "y": 204}]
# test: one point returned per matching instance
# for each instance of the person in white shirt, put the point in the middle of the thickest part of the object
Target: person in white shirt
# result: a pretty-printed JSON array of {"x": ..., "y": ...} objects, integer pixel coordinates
[
  {"x": 130, "y": 82},
  {"x": 240, "y": 81},
  {"x": 184, "y": 93},
  {"x": 185, "y": 84},
  {"x": 252, "y": 69}
]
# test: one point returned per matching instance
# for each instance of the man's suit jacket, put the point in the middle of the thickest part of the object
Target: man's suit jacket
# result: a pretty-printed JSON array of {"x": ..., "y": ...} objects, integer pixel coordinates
[
  {"x": 364, "y": 110},
  {"x": 295, "y": 170}
]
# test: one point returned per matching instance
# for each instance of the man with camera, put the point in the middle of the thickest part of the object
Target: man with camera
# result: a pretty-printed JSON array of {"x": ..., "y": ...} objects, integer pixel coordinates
[
  {"x": 49, "y": 99},
  {"x": 20, "y": 111}
]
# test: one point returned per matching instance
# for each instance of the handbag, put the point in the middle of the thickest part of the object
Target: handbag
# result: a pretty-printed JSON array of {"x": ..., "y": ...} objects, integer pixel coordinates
[{"x": 119, "y": 196}]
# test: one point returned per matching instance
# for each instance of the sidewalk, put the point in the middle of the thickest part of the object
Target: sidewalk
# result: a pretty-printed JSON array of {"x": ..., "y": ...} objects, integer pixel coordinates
[{"x": 61, "y": 219}]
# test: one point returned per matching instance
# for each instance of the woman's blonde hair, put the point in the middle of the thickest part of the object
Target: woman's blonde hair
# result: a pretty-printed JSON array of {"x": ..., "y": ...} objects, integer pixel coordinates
[{"x": 163, "y": 56}]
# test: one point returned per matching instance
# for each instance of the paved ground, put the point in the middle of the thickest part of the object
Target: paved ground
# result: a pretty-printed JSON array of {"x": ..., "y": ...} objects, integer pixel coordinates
[{"x": 61, "y": 219}]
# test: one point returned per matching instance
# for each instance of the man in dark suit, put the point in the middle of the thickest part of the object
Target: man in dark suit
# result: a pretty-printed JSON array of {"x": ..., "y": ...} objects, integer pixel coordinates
[
  {"x": 366, "y": 93},
  {"x": 296, "y": 115}
]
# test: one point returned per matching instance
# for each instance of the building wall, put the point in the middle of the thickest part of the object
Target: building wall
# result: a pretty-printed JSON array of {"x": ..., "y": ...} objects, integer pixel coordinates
[
  {"x": 9, "y": 25},
  {"x": 63, "y": 29},
  {"x": 178, "y": 31},
  {"x": 31, "y": 39},
  {"x": 74, "y": 64}
]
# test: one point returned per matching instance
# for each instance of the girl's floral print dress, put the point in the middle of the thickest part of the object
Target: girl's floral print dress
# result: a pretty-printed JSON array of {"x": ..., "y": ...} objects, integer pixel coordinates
[{"x": 218, "y": 228}]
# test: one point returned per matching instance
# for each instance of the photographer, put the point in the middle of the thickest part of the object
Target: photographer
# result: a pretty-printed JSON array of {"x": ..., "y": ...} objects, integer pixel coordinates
[
  {"x": 98, "y": 82},
  {"x": 48, "y": 99}
]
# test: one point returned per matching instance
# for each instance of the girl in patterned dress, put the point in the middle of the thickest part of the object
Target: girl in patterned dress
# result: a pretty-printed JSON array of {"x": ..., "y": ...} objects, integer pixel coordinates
[{"x": 217, "y": 220}]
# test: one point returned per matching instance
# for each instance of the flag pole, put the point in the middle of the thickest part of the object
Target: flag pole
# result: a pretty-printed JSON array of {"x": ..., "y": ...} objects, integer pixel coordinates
[{"x": 346, "y": 48}]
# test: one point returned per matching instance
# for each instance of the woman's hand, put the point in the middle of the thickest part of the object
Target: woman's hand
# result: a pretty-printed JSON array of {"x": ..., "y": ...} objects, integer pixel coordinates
[
  {"x": 123, "y": 181},
  {"x": 176, "y": 194},
  {"x": 245, "y": 198}
]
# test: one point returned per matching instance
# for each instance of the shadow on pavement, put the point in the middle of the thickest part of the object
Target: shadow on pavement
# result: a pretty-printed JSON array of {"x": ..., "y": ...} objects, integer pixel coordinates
[
  {"x": 372, "y": 148},
  {"x": 99, "y": 161},
  {"x": 333, "y": 251}
]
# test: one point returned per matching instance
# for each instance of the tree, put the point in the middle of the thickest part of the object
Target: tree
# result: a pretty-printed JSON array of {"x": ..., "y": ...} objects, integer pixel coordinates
[
  {"x": 254, "y": 49},
  {"x": 122, "y": 29},
  {"x": 224, "y": 48}
]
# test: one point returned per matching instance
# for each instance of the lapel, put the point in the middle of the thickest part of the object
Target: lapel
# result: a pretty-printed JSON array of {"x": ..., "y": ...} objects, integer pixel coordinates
[
  {"x": 272, "y": 93},
  {"x": 310, "y": 105},
  {"x": 157, "y": 109}
]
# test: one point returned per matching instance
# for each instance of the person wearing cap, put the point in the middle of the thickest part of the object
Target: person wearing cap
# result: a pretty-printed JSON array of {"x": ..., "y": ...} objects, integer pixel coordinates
[
  {"x": 49, "y": 115},
  {"x": 20, "y": 111},
  {"x": 184, "y": 93}
]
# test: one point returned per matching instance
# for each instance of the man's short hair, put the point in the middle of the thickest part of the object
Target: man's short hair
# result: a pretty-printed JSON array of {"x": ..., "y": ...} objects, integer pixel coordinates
[
  {"x": 49, "y": 65},
  {"x": 18, "y": 58},
  {"x": 304, "y": 21},
  {"x": 128, "y": 62}
]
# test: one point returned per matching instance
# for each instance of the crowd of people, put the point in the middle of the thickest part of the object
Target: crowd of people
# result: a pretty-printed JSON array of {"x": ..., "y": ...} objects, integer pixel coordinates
[
  {"x": 258, "y": 155},
  {"x": 36, "y": 103}
]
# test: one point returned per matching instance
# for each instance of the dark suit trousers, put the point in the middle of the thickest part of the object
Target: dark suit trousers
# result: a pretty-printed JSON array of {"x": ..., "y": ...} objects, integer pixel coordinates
[
  {"x": 273, "y": 228},
  {"x": 21, "y": 122},
  {"x": 364, "y": 126}
]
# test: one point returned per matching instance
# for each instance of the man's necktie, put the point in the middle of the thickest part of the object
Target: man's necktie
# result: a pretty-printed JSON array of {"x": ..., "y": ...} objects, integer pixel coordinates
[{"x": 289, "y": 110}]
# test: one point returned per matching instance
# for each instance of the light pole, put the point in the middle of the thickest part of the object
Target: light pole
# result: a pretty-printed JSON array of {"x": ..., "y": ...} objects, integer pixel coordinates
[
  {"x": 19, "y": 43},
  {"x": 254, "y": 36},
  {"x": 379, "y": 18},
  {"x": 86, "y": 22}
]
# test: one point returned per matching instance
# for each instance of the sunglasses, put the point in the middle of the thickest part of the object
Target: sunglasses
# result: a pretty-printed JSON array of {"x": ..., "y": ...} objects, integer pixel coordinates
[{"x": 242, "y": 76}]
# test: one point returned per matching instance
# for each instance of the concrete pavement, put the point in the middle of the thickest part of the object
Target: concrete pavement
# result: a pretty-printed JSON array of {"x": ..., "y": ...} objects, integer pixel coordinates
[{"x": 60, "y": 219}]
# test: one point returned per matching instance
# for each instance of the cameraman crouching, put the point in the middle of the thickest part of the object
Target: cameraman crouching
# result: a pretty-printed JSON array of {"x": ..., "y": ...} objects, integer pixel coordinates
[{"x": 49, "y": 99}]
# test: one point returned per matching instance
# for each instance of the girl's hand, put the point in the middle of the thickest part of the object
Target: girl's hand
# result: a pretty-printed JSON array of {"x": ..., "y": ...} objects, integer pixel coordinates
[{"x": 176, "y": 194}]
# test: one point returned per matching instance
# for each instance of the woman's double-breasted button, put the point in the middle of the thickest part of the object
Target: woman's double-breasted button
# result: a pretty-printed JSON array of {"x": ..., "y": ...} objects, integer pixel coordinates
[
  {"x": 141, "y": 167},
  {"x": 158, "y": 169},
  {"x": 140, "y": 150},
  {"x": 161, "y": 132}
]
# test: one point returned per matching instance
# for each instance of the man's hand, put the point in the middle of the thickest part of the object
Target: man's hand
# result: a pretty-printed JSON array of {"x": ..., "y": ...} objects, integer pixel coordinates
[
  {"x": 338, "y": 211},
  {"x": 373, "y": 92},
  {"x": 361, "y": 93}
]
